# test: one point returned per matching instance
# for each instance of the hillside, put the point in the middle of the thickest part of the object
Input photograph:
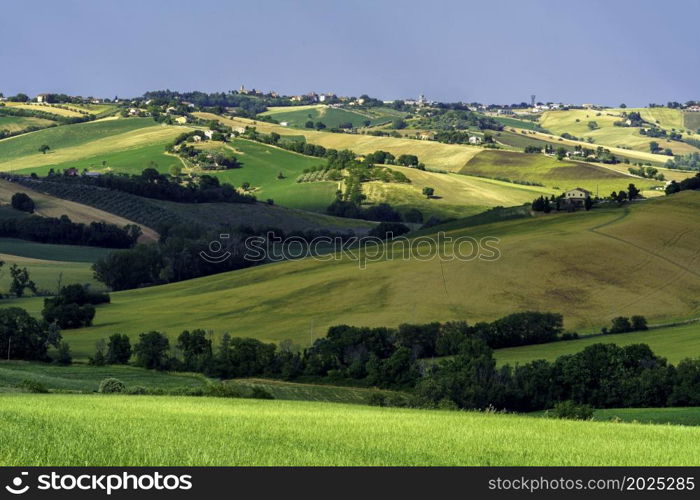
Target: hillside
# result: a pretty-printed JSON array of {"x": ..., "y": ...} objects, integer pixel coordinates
[
  {"x": 558, "y": 176},
  {"x": 297, "y": 116},
  {"x": 51, "y": 206},
  {"x": 576, "y": 121},
  {"x": 434, "y": 154},
  {"x": 106, "y": 430},
  {"x": 588, "y": 266},
  {"x": 88, "y": 144}
]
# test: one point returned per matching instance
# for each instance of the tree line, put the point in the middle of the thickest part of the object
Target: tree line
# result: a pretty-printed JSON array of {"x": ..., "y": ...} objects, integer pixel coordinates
[{"x": 63, "y": 231}]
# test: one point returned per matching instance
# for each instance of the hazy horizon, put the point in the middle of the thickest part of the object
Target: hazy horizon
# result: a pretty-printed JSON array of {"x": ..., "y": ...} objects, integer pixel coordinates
[{"x": 605, "y": 53}]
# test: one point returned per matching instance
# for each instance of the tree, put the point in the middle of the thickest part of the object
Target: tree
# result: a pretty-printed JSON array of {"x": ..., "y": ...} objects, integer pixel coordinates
[
  {"x": 22, "y": 201},
  {"x": 407, "y": 160},
  {"x": 151, "y": 351},
  {"x": 654, "y": 147},
  {"x": 588, "y": 203},
  {"x": 118, "y": 350},
  {"x": 428, "y": 192},
  {"x": 309, "y": 124},
  {"x": 621, "y": 324},
  {"x": 175, "y": 171},
  {"x": 44, "y": 148},
  {"x": 561, "y": 153},
  {"x": 592, "y": 125},
  {"x": 23, "y": 337},
  {"x": 623, "y": 105},
  {"x": 639, "y": 323},
  {"x": 63, "y": 355},
  {"x": 632, "y": 192},
  {"x": 20, "y": 281}
]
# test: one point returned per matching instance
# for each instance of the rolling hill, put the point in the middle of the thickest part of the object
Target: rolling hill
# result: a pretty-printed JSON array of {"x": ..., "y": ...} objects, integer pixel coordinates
[
  {"x": 588, "y": 266},
  {"x": 120, "y": 430},
  {"x": 556, "y": 175},
  {"x": 434, "y": 154},
  {"x": 90, "y": 141},
  {"x": 297, "y": 116},
  {"x": 51, "y": 206},
  {"x": 575, "y": 122}
]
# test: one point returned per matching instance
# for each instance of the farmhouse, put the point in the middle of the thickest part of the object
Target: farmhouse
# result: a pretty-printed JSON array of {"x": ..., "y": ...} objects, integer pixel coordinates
[
  {"x": 42, "y": 98},
  {"x": 577, "y": 196},
  {"x": 475, "y": 139},
  {"x": 209, "y": 134}
]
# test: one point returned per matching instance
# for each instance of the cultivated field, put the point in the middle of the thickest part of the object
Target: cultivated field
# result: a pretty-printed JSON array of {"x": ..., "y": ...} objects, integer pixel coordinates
[
  {"x": 576, "y": 122},
  {"x": 558, "y": 176},
  {"x": 51, "y": 206},
  {"x": 434, "y": 154},
  {"x": 120, "y": 430},
  {"x": 455, "y": 195},
  {"x": 588, "y": 266},
  {"x": 297, "y": 116},
  {"x": 18, "y": 123},
  {"x": 261, "y": 166}
]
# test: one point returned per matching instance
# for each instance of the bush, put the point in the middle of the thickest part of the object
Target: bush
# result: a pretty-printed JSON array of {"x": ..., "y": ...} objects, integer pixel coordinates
[
  {"x": 222, "y": 390},
  {"x": 572, "y": 411},
  {"x": 63, "y": 355},
  {"x": 22, "y": 201},
  {"x": 376, "y": 399},
  {"x": 32, "y": 386},
  {"x": 111, "y": 386},
  {"x": 136, "y": 390},
  {"x": 260, "y": 393}
]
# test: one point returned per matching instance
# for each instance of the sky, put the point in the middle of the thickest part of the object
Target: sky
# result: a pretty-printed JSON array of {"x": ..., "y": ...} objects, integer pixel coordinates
[{"x": 603, "y": 52}]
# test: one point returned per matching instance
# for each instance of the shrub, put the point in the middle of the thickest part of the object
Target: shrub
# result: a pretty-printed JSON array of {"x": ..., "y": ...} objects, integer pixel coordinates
[
  {"x": 111, "y": 386},
  {"x": 222, "y": 390},
  {"x": 572, "y": 411},
  {"x": 32, "y": 386},
  {"x": 376, "y": 399},
  {"x": 136, "y": 390},
  {"x": 260, "y": 393},
  {"x": 22, "y": 201}
]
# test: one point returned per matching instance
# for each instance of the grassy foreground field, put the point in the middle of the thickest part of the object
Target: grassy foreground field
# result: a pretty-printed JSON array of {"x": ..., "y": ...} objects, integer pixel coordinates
[
  {"x": 589, "y": 266},
  {"x": 121, "y": 430}
]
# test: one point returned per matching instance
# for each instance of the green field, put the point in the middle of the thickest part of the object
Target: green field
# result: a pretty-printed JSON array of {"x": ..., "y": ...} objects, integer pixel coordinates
[
  {"x": 331, "y": 117},
  {"x": 90, "y": 141},
  {"x": 556, "y": 175},
  {"x": 48, "y": 263},
  {"x": 674, "y": 343},
  {"x": 261, "y": 166},
  {"x": 515, "y": 122},
  {"x": 120, "y": 430},
  {"x": 604, "y": 263},
  {"x": 132, "y": 161},
  {"x": 673, "y": 416},
  {"x": 85, "y": 378}
]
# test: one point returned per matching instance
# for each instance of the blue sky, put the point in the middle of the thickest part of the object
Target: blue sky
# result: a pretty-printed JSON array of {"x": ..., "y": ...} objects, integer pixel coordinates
[{"x": 605, "y": 52}]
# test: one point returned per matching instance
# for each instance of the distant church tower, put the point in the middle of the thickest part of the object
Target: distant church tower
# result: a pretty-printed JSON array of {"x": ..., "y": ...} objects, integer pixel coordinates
[{"x": 532, "y": 100}]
